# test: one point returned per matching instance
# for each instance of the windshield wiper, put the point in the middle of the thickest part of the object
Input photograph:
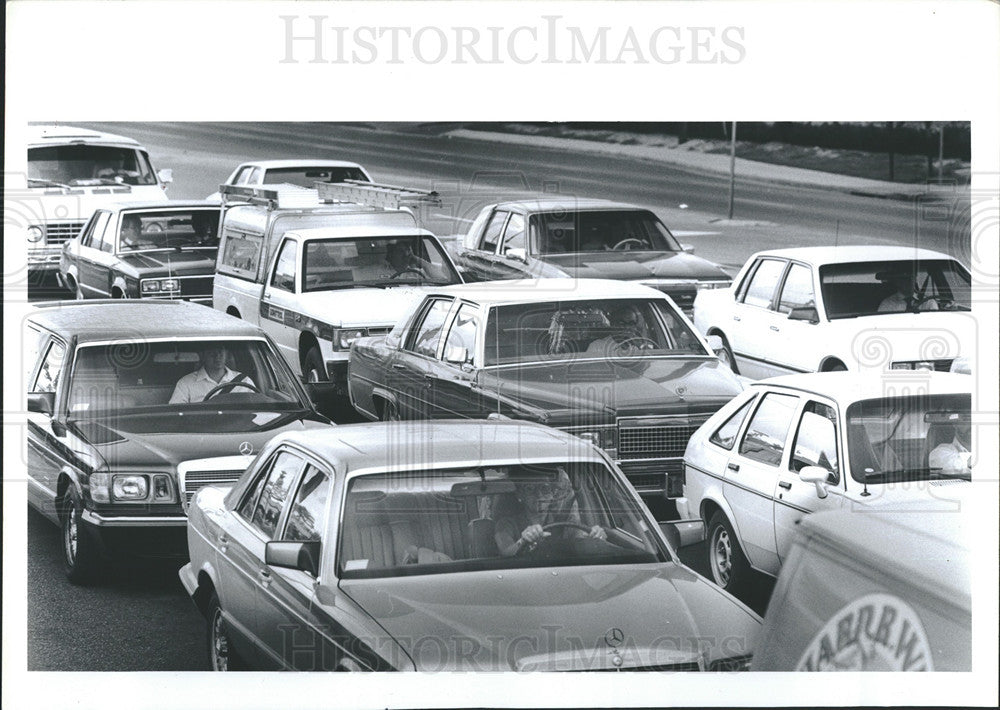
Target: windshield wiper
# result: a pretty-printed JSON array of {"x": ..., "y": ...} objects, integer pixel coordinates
[{"x": 49, "y": 183}]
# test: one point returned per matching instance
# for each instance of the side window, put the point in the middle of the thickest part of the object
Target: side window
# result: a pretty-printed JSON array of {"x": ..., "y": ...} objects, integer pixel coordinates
[
  {"x": 798, "y": 289},
  {"x": 33, "y": 342},
  {"x": 463, "y": 331},
  {"x": 492, "y": 232},
  {"x": 284, "y": 267},
  {"x": 254, "y": 177},
  {"x": 278, "y": 482},
  {"x": 764, "y": 440},
  {"x": 94, "y": 231},
  {"x": 816, "y": 440},
  {"x": 763, "y": 283},
  {"x": 240, "y": 253},
  {"x": 87, "y": 233},
  {"x": 241, "y": 176},
  {"x": 425, "y": 338},
  {"x": 514, "y": 235},
  {"x": 725, "y": 435},
  {"x": 47, "y": 379},
  {"x": 307, "y": 516}
]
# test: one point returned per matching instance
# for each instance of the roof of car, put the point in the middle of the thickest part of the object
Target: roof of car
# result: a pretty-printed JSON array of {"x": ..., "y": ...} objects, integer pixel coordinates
[
  {"x": 138, "y": 319},
  {"x": 552, "y": 289},
  {"x": 59, "y": 135},
  {"x": 911, "y": 543},
  {"x": 852, "y": 253},
  {"x": 566, "y": 203},
  {"x": 847, "y": 387},
  {"x": 406, "y": 445},
  {"x": 364, "y": 231},
  {"x": 303, "y": 163},
  {"x": 151, "y": 205}
]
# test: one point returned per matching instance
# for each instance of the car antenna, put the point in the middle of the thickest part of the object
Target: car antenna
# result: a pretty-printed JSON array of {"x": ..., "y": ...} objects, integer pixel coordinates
[{"x": 865, "y": 493}]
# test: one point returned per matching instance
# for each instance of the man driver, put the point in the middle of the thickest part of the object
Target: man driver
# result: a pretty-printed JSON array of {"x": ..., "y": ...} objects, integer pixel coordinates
[{"x": 213, "y": 372}]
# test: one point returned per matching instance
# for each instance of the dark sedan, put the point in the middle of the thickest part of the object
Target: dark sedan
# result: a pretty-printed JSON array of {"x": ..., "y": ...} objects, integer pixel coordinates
[
  {"x": 612, "y": 362},
  {"x": 584, "y": 238},
  {"x": 155, "y": 250},
  {"x": 126, "y": 419}
]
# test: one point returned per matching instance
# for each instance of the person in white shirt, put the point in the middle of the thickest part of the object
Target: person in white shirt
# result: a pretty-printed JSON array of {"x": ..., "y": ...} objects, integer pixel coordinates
[
  {"x": 905, "y": 298},
  {"x": 953, "y": 457},
  {"x": 213, "y": 372}
]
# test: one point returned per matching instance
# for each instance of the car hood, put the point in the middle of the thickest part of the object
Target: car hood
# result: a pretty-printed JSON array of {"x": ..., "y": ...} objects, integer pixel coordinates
[
  {"x": 168, "y": 439},
  {"x": 559, "y": 618},
  {"x": 193, "y": 261},
  {"x": 624, "y": 387},
  {"x": 360, "y": 307},
  {"x": 633, "y": 265}
]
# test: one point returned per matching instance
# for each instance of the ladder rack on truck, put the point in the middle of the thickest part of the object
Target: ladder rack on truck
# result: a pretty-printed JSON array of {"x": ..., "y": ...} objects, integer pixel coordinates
[
  {"x": 281, "y": 195},
  {"x": 376, "y": 195}
]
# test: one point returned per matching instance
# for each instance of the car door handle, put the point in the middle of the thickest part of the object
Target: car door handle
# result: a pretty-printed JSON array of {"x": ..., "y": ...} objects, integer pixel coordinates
[
  {"x": 264, "y": 576},
  {"x": 398, "y": 366},
  {"x": 785, "y": 484},
  {"x": 428, "y": 379},
  {"x": 775, "y": 328},
  {"x": 223, "y": 542},
  {"x": 737, "y": 318},
  {"x": 735, "y": 467}
]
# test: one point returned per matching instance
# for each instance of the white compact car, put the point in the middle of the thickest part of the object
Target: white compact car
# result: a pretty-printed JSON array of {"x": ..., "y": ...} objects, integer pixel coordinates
[
  {"x": 304, "y": 173},
  {"x": 857, "y": 308},
  {"x": 800, "y": 444}
]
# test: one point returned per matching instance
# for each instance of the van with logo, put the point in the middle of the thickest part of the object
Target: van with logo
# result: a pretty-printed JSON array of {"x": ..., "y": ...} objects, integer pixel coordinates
[
  {"x": 862, "y": 591},
  {"x": 71, "y": 172}
]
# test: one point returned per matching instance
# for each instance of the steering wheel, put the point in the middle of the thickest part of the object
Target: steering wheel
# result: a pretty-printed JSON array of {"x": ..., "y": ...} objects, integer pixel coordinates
[
  {"x": 223, "y": 386},
  {"x": 637, "y": 342},
  {"x": 620, "y": 246},
  {"x": 409, "y": 270},
  {"x": 565, "y": 524}
]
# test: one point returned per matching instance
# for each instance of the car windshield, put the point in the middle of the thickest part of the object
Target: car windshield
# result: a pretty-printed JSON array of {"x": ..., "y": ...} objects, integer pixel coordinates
[
  {"x": 603, "y": 329},
  {"x": 881, "y": 287},
  {"x": 88, "y": 165},
  {"x": 912, "y": 438},
  {"x": 380, "y": 262},
  {"x": 599, "y": 230},
  {"x": 307, "y": 177},
  {"x": 443, "y": 521},
  {"x": 159, "y": 376},
  {"x": 176, "y": 229}
]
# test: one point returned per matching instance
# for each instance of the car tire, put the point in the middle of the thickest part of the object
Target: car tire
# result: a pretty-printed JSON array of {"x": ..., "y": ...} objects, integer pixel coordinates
[
  {"x": 313, "y": 367},
  {"x": 726, "y": 561},
  {"x": 74, "y": 286},
  {"x": 727, "y": 357},
  {"x": 221, "y": 654},
  {"x": 81, "y": 558},
  {"x": 835, "y": 366}
]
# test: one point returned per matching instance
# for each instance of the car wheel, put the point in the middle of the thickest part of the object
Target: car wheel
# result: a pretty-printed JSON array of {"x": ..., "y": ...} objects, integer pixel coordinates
[
  {"x": 313, "y": 367},
  {"x": 727, "y": 357},
  {"x": 726, "y": 560},
  {"x": 836, "y": 366},
  {"x": 75, "y": 288},
  {"x": 221, "y": 654},
  {"x": 81, "y": 558}
]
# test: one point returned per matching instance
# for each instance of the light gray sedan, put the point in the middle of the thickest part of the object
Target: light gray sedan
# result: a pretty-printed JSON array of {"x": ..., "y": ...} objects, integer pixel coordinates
[{"x": 478, "y": 546}]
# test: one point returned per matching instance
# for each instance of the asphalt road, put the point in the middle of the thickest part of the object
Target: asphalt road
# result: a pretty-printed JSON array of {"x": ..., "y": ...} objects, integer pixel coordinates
[{"x": 471, "y": 173}]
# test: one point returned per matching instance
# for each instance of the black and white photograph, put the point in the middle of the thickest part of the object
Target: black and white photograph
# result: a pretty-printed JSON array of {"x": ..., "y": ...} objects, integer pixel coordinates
[{"x": 480, "y": 341}]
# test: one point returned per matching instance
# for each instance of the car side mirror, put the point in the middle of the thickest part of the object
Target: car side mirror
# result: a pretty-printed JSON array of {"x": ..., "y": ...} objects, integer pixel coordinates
[
  {"x": 715, "y": 344},
  {"x": 302, "y": 556},
  {"x": 42, "y": 402},
  {"x": 165, "y": 176},
  {"x": 816, "y": 475},
  {"x": 687, "y": 248},
  {"x": 806, "y": 313},
  {"x": 517, "y": 254},
  {"x": 456, "y": 354}
]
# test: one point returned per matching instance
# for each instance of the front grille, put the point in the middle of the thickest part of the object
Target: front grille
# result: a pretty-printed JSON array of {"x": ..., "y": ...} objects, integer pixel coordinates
[
  {"x": 647, "y": 441},
  {"x": 61, "y": 232},
  {"x": 196, "y": 480},
  {"x": 196, "y": 286}
]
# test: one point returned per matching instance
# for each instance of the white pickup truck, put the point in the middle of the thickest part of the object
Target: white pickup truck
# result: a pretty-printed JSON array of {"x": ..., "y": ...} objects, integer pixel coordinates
[{"x": 317, "y": 275}]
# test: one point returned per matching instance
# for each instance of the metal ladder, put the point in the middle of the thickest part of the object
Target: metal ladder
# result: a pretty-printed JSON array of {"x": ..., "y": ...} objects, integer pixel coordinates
[{"x": 376, "y": 195}]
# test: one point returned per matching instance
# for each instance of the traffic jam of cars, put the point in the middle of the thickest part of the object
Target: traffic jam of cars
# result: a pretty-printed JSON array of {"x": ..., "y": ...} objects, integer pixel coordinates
[{"x": 522, "y": 403}]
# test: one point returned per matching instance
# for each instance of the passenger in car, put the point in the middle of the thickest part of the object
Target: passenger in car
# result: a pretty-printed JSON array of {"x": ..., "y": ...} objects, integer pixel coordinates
[
  {"x": 131, "y": 231},
  {"x": 954, "y": 456},
  {"x": 522, "y": 517},
  {"x": 195, "y": 386},
  {"x": 906, "y": 297},
  {"x": 626, "y": 326}
]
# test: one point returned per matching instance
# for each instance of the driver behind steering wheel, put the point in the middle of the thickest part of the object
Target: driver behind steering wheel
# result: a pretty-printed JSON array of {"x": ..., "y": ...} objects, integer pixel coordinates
[
  {"x": 213, "y": 372},
  {"x": 626, "y": 326},
  {"x": 541, "y": 504}
]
